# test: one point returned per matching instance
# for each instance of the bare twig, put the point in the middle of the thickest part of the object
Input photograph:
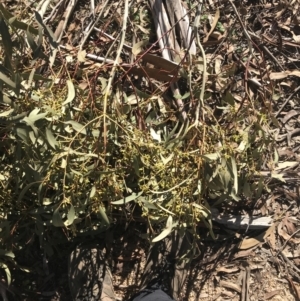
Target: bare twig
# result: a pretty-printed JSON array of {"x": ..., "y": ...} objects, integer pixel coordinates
[
  {"x": 287, "y": 100},
  {"x": 61, "y": 28},
  {"x": 201, "y": 100},
  {"x": 91, "y": 27},
  {"x": 114, "y": 68},
  {"x": 288, "y": 240}
]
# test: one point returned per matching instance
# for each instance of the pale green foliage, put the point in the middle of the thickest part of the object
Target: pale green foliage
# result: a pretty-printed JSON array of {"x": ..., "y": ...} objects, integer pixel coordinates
[{"x": 61, "y": 167}]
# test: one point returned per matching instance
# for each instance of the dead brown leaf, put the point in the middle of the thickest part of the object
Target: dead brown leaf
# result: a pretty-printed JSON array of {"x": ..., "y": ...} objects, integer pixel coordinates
[
  {"x": 213, "y": 25},
  {"x": 160, "y": 62},
  {"x": 160, "y": 75},
  {"x": 231, "y": 285},
  {"x": 289, "y": 115},
  {"x": 284, "y": 74},
  {"x": 271, "y": 294},
  {"x": 227, "y": 270},
  {"x": 288, "y": 224},
  {"x": 253, "y": 241},
  {"x": 285, "y": 235}
]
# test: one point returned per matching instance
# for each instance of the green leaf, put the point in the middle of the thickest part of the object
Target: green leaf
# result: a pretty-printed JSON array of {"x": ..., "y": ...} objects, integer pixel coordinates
[
  {"x": 166, "y": 231},
  {"x": 7, "y": 80},
  {"x": 78, "y": 127},
  {"x": 71, "y": 93},
  {"x": 7, "y": 271},
  {"x": 56, "y": 218},
  {"x": 184, "y": 96},
  {"x": 8, "y": 50},
  {"x": 71, "y": 216},
  {"x": 93, "y": 192},
  {"x": 260, "y": 187},
  {"x": 229, "y": 98},
  {"x": 212, "y": 157},
  {"x": 235, "y": 175},
  {"x": 7, "y": 253},
  {"x": 138, "y": 47},
  {"x": 247, "y": 189},
  {"x": 234, "y": 196},
  {"x": 103, "y": 215},
  {"x": 51, "y": 139},
  {"x": 48, "y": 32},
  {"x": 166, "y": 160},
  {"x": 36, "y": 49},
  {"x": 128, "y": 199},
  {"x": 34, "y": 116},
  {"x": 15, "y": 23}
]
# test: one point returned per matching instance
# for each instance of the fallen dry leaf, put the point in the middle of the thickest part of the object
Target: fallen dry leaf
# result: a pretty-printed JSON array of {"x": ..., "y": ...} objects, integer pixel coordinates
[
  {"x": 231, "y": 285},
  {"x": 253, "y": 241},
  {"x": 271, "y": 294},
  {"x": 227, "y": 270},
  {"x": 285, "y": 235},
  {"x": 284, "y": 74},
  {"x": 213, "y": 25}
]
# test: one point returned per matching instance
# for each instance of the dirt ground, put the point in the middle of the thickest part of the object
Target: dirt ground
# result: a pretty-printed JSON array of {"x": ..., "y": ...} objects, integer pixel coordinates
[{"x": 222, "y": 271}]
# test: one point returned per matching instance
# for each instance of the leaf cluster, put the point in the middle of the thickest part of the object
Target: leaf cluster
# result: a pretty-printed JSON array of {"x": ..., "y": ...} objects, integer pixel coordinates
[{"x": 69, "y": 168}]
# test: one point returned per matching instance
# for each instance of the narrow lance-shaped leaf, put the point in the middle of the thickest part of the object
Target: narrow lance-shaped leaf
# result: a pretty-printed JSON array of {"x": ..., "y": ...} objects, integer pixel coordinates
[
  {"x": 70, "y": 216},
  {"x": 7, "y": 80},
  {"x": 7, "y": 271},
  {"x": 93, "y": 192},
  {"x": 48, "y": 32},
  {"x": 78, "y": 127},
  {"x": 103, "y": 215},
  {"x": 166, "y": 231},
  {"x": 235, "y": 175},
  {"x": 8, "y": 43},
  {"x": 56, "y": 218},
  {"x": 51, "y": 139},
  {"x": 127, "y": 199},
  {"x": 14, "y": 22},
  {"x": 138, "y": 47},
  {"x": 71, "y": 93}
]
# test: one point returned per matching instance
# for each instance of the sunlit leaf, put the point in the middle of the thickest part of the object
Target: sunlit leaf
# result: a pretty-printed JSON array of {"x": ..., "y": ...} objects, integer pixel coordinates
[
  {"x": 77, "y": 126},
  {"x": 103, "y": 215},
  {"x": 127, "y": 199},
  {"x": 166, "y": 231},
  {"x": 70, "y": 216},
  {"x": 156, "y": 136},
  {"x": 7, "y": 80},
  {"x": 51, "y": 139},
  {"x": 93, "y": 192},
  {"x": 71, "y": 93},
  {"x": 234, "y": 170},
  {"x": 138, "y": 47},
  {"x": 212, "y": 157},
  {"x": 166, "y": 160},
  {"x": 7, "y": 272}
]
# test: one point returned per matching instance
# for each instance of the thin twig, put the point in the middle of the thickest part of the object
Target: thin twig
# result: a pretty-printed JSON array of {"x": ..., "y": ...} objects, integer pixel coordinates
[
  {"x": 287, "y": 100},
  {"x": 281, "y": 249},
  {"x": 201, "y": 100},
  {"x": 114, "y": 68},
  {"x": 87, "y": 34}
]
